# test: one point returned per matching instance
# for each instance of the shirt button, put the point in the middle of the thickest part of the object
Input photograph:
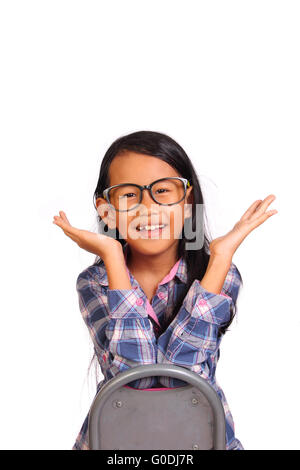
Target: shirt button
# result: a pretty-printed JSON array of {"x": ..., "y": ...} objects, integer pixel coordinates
[
  {"x": 201, "y": 302},
  {"x": 104, "y": 357},
  {"x": 139, "y": 301},
  {"x": 161, "y": 295}
]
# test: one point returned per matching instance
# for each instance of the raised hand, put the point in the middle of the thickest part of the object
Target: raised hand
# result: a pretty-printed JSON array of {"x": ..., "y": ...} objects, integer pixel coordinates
[
  {"x": 254, "y": 216},
  {"x": 96, "y": 243}
]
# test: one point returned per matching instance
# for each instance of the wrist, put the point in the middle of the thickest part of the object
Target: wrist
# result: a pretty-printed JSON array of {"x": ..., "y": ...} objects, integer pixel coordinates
[
  {"x": 217, "y": 269},
  {"x": 220, "y": 258},
  {"x": 114, "y": 255},
  {"x": 116, "y": 268}
]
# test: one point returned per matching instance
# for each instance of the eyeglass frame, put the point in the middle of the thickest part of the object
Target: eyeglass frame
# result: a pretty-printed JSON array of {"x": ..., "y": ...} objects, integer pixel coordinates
[{"x": 146, "y": 186}]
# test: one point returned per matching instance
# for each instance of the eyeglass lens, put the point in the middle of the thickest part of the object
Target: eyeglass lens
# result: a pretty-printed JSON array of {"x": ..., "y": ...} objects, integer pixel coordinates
[{"x": 168, "y": 191}]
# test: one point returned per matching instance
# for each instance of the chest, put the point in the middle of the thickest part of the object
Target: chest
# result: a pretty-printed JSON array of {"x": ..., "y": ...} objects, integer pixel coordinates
[{"x": 150, "y": 288}]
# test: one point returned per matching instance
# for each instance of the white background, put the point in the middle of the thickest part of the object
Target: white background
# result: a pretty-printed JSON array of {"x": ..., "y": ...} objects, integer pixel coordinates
[{"x": 221, "y": 78}]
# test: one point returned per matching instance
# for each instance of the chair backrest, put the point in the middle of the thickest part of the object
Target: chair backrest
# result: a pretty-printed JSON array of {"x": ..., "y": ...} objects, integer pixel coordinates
[{"x": 189, "y": 417}]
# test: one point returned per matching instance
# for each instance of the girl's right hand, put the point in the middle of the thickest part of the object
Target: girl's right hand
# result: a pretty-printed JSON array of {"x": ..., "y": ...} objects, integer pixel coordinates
[
  {"x": 254, "y": 216},
  {"x": 96, "y": 243}
]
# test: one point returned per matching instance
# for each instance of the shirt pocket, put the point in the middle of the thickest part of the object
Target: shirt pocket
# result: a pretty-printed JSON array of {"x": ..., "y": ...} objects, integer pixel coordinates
[
  {"x": 192, "y": 343},
  {"x": 129, "y": 340}
]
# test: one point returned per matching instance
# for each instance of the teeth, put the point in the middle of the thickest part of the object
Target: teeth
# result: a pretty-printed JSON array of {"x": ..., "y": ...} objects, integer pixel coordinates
[{"x": 150, "y": 227}]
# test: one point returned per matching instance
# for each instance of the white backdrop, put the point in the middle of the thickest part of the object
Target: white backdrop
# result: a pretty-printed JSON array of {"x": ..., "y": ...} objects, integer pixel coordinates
[{"x": 221, "y": 78}]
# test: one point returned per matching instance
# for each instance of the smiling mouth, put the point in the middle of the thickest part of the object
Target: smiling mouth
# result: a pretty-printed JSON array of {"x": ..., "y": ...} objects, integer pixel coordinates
[
  {"x": 151, "y": 233},
  {"x": 149, "y": 228}
]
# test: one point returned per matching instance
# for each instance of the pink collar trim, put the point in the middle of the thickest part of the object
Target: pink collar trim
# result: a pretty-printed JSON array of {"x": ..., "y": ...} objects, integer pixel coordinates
[{"x": 167, "y": 278}]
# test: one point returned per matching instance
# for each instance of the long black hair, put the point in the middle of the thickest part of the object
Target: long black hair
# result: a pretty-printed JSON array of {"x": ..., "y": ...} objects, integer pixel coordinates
[{"x": 162, "y": 146}]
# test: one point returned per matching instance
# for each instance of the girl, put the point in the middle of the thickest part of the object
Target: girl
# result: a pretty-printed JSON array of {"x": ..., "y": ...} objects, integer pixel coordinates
[{"x": 150, "y": 298}]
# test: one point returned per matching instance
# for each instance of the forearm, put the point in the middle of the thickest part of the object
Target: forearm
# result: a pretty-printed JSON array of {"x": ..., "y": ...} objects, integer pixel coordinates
[
  {"x": 216, "y": 273},
  {"x": 116, "y": 271},
  {"x": 109, "y": 312}
]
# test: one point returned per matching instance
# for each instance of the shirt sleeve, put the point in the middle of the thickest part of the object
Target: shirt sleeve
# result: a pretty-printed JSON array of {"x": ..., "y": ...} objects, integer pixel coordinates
[
  {"x": 194, "y": 341},
  {"x": 232, "y": 283},
  {"x": 119, "y": 326},
  {"x": 211, "y": 307}
]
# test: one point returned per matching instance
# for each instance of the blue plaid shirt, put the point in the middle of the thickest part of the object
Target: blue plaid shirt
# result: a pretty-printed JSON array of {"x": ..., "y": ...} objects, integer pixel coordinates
[{"x": 125, "y": 331}]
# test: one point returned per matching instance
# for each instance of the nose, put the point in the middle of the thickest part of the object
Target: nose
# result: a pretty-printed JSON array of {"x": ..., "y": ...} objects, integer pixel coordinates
[
  {"x": 147, "y": 205},
  {"x": 147, "y": 198}
]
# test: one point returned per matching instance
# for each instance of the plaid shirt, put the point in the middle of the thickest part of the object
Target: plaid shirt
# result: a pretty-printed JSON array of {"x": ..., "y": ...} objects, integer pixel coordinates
[{"x": 125, "y": 330}]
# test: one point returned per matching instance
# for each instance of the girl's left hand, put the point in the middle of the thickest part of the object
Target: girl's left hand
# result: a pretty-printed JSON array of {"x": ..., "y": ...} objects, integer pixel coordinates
[{"x": 252, "y": 218}]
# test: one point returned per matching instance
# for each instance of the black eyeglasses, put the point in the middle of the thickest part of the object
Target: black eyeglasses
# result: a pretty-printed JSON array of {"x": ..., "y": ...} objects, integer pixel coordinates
[{"x": 164, "y": 191}]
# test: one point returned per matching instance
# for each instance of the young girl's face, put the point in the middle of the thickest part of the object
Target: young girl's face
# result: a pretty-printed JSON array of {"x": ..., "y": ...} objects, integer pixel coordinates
[{"x": 132, "y": 167}]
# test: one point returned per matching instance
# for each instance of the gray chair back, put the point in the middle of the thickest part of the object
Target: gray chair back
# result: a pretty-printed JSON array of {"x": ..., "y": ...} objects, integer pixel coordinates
[{"x": 188, "y": 417}]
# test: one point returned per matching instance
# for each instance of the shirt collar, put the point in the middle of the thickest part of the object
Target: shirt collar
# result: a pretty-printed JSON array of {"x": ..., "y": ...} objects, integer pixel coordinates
[{"x": 179, "y": 270}]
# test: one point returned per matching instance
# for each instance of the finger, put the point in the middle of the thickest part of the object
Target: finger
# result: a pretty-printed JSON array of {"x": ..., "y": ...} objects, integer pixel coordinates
[
  {"x": 64, "y": 225},
  {"x": 263, "y": 218},
  {"x": 265, "y": 203},
  {"x": 70, "y": 234},
  {"x": 251, "y": 209},
  {"x": 59, "y": 221},
  {"x": 64, "y": 217}
]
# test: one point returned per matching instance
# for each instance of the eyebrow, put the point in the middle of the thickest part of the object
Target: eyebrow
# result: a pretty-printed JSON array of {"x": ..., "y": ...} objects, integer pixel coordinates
[{"x": 157, "y": 179}]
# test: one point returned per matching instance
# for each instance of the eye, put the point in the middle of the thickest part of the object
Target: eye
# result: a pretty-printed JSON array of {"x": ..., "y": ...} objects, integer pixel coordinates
[
  {"x": 124, "y": 195},
  {"x": 161, "y": 190}
]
